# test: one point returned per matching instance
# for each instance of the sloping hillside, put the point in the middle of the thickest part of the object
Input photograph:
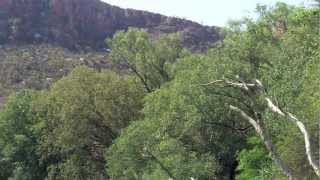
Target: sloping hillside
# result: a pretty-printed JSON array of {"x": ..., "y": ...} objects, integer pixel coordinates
[
  {"x": 84, "y": 24},
  {"x": 42, "y": 40},
  {"x": 37, "y": 66}
]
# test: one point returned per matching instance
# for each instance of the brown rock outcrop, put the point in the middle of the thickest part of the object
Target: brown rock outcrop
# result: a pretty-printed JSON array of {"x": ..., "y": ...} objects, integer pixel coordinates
[{"x": 78, "y": 24}]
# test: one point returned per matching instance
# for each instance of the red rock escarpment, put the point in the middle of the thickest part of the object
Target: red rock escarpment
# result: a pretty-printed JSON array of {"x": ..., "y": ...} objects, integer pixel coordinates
[{"x": 78, "y": 24}]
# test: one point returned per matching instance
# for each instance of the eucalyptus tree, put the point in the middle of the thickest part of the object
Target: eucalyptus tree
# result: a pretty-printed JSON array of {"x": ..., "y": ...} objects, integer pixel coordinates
[{"x": 281, "y": 93}]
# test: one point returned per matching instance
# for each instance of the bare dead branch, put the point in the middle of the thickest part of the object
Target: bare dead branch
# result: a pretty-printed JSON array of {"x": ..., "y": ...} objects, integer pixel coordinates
[{"x": 241, "y": 85}]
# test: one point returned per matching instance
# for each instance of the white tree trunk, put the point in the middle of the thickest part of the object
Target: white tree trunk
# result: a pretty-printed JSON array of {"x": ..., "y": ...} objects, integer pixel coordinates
[
  {"x": 258, "y": 86},
  {"x": 267, "y": 141},
  {"x": 302, "y": 129}
]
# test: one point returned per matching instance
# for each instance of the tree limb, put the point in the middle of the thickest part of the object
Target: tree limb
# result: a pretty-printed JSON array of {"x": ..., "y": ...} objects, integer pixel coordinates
[
  {"x": 163, "y": 167},
  {"x": 259, "y": 128},
  {"x": 267, "y": 141},
  {"x": 238, "y": 129},
  {"x": 240, "y": 85},
  {"x": 141, "y": 78},
  {"x": 302, "y": 129}
]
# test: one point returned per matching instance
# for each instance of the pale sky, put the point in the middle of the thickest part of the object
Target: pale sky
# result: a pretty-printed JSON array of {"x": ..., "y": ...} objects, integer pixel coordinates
[{"x": 207, "y": 12}]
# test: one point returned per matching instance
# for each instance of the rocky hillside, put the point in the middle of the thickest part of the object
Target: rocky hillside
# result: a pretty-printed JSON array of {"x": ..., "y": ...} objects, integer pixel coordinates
[
  {"x": 84, "y": 24},
  {"x": 37, "y": 66},
  {"x": 42, "y": 40}
]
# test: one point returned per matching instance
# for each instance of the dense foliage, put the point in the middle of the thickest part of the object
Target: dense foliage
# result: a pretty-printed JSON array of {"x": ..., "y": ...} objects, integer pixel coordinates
[
  {"x": 157, "y": 116},
  {"x": 148, "y": 60}
]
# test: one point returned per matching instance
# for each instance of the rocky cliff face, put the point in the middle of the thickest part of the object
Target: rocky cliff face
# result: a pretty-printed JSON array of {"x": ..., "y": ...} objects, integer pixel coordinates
[{"x": 78, "y": 24}]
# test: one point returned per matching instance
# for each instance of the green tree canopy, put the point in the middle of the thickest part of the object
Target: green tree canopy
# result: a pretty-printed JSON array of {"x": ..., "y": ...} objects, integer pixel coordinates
[
  {"x": 20, "y": 134},
  {"x": 84, "y": 113},
  {"x": 146, "y": 58}
]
